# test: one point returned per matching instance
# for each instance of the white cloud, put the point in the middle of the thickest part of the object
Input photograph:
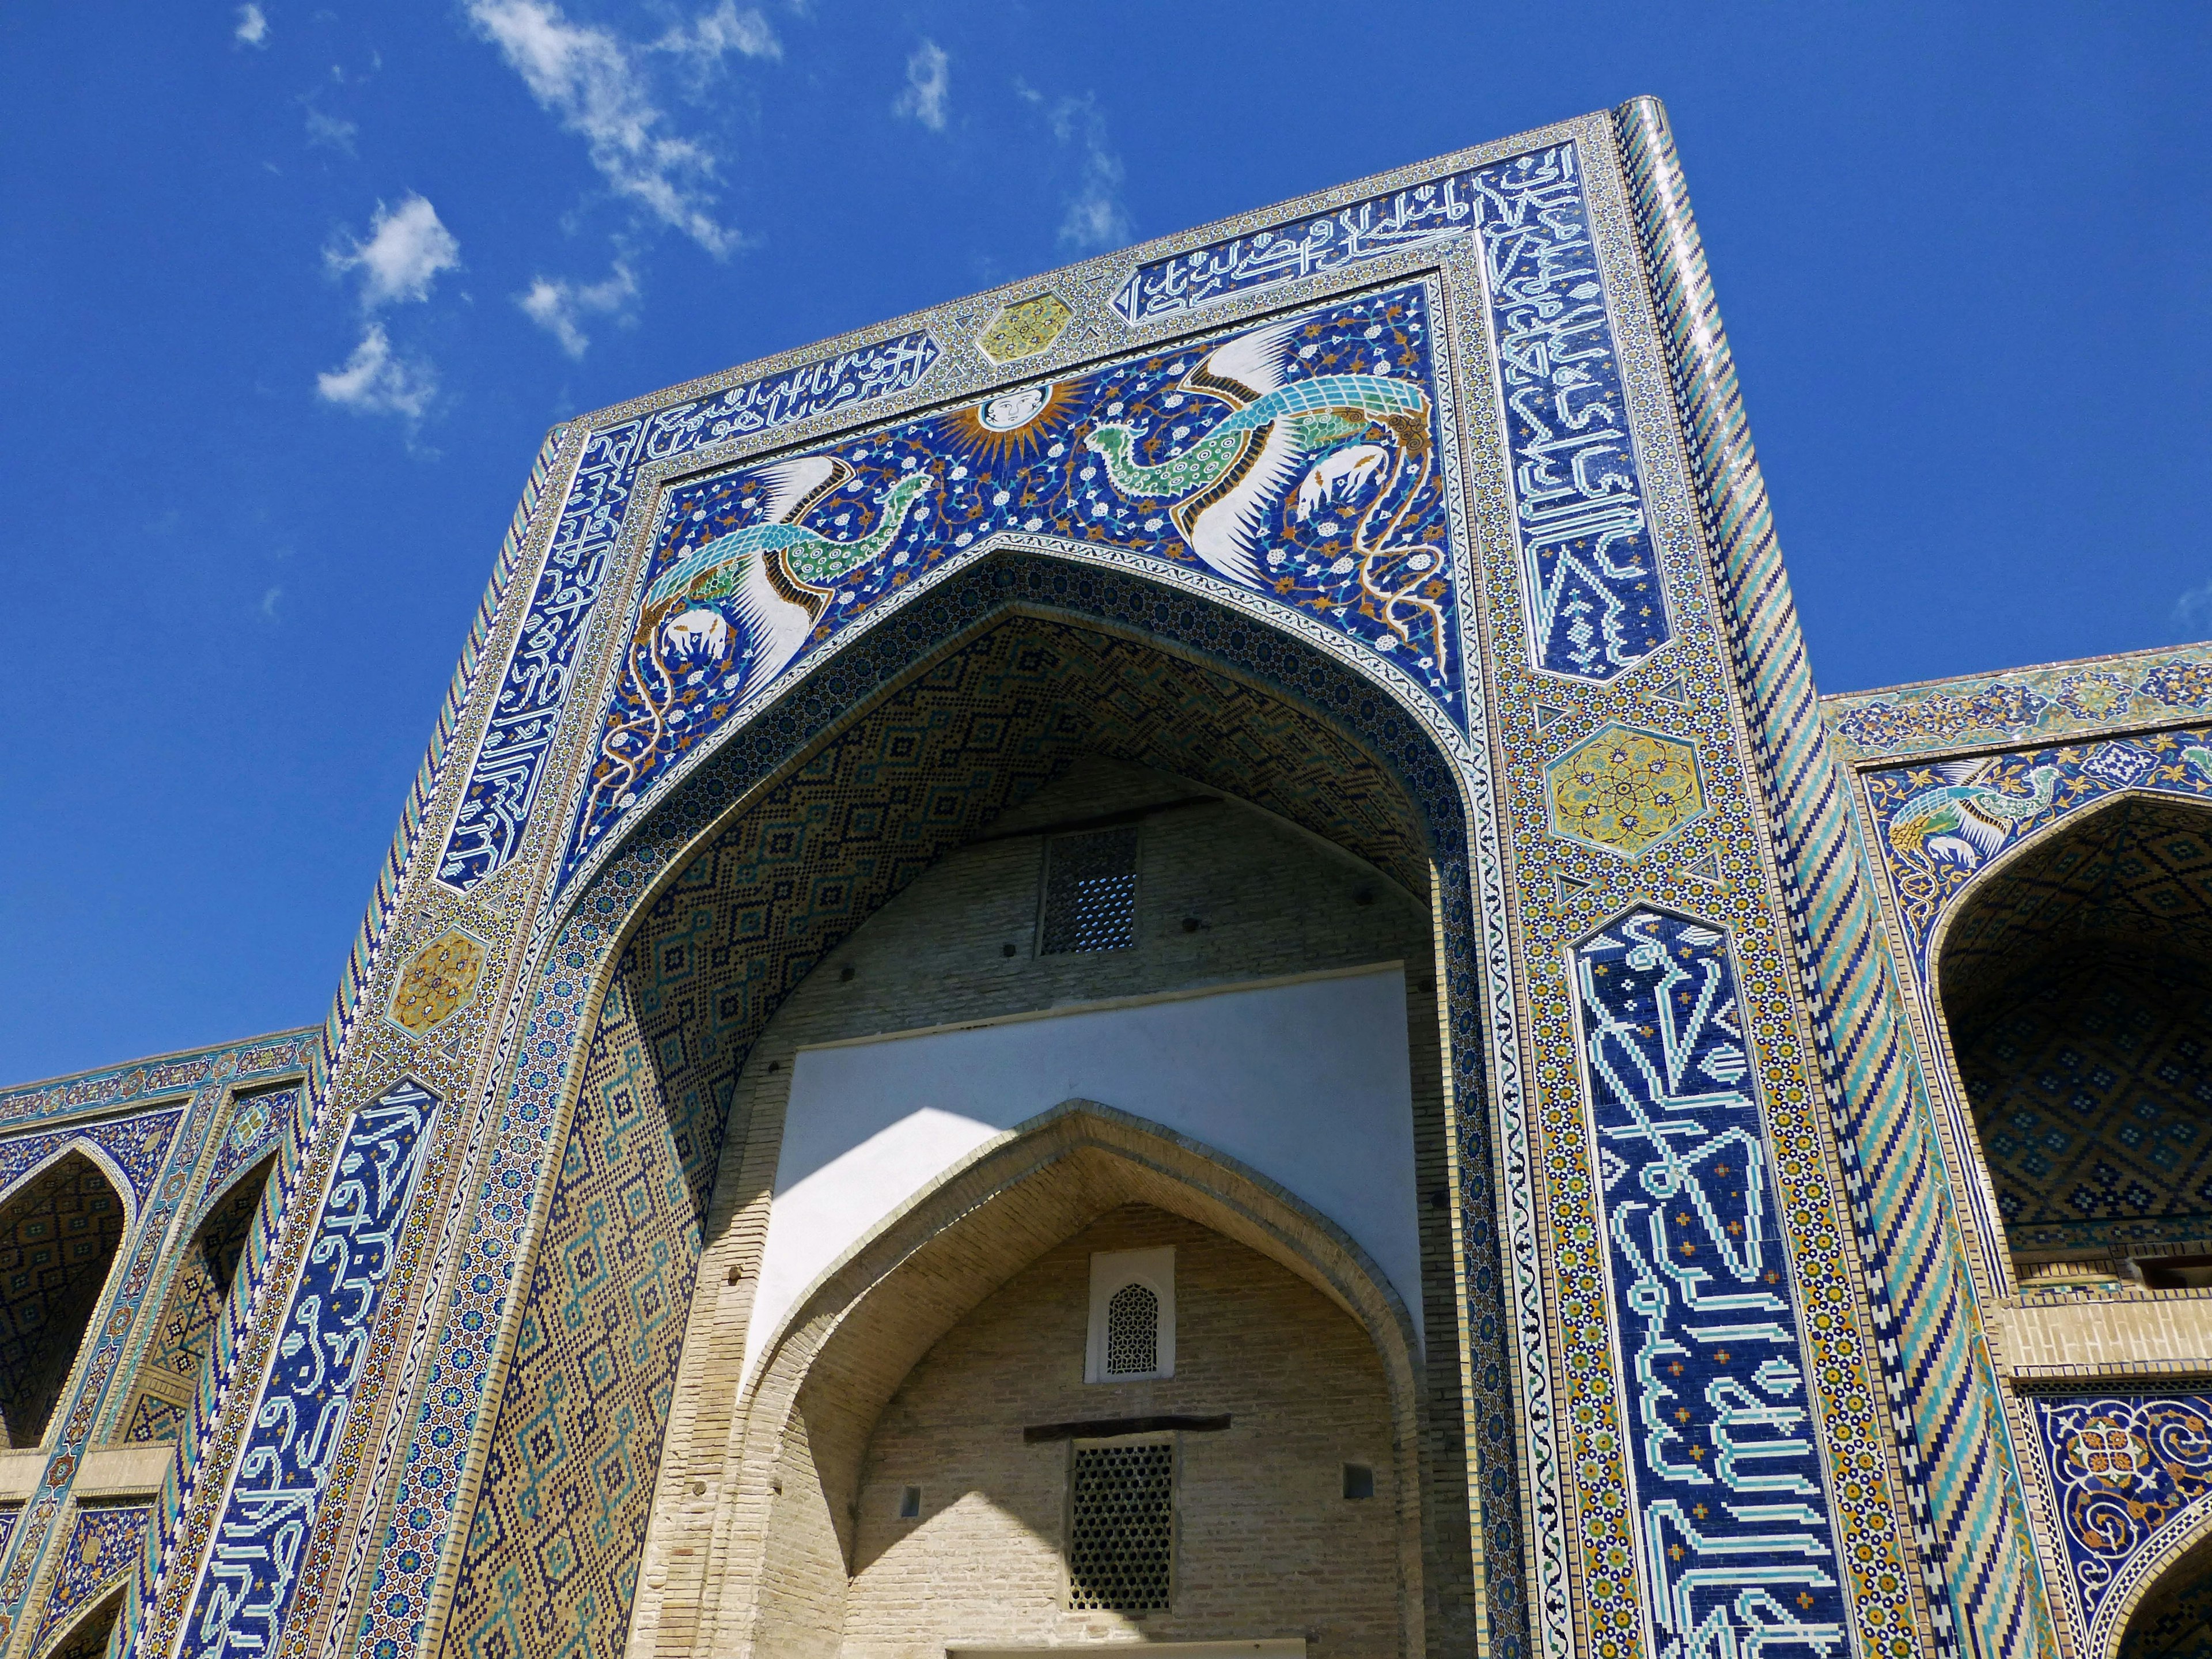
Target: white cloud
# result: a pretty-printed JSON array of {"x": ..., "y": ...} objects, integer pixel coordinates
[
  {"x": 252, "y": 29},
  {"x": 928, "y": 86},
  {"x": 1095, "y": 219},
  {"x": 720, "y": 32},
  {"x": 269, "y": 603},
  {"x": 406, "y": 249},
  {"x": 559, "y": 306},
  {"x": 2193, "y": 609},
  {"x": 330, "y": 130},
  {"x": 591, "y": 82},
  {"x": 376, "y": 381}
]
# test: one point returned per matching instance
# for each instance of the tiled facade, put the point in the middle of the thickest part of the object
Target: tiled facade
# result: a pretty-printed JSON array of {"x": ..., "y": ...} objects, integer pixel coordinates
[{"x": 1814, "y": 1149}]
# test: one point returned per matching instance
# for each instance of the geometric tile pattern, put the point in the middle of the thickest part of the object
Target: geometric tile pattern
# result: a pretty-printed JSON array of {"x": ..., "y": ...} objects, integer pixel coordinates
[
  {"x": 170, "y": 1365},
  {"x": 103, "y": 1544},
  {"x": 2123, "y": 1467},
  {"x": 1974, "y": 1535},
  {"x": 510, "y": 759},
  {"x": 578, "y": 1443},
  {"x": 1024, "y": 328},
  {"x": 2090, "y": 1082},
  {"x": 2045, "y": 703},
  {"x": 437, "y": 981},
  {"x": 1297, "y": 461},
  {"x": 743, "y": 922},
  {"x": 59, "y": 1235},
  {"x": 1621, "y": 789}
]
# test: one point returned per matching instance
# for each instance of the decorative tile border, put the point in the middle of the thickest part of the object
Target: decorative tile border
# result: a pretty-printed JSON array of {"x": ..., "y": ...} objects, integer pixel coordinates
[
  {"x": 284, "y": 1473},
  {"x": 2099, "y": 695},
  {"x": 1735, "y": 1536},
  {"x": 1591, "y": 576},
  {"x": 1318, "y": 243},
  {"x": 502, "y": 787}
]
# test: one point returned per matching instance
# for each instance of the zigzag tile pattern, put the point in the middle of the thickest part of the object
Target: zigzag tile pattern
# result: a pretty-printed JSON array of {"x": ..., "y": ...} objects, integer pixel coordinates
[
  {"x": 568, "y": 1483},
  {"x": 170, "y": 1366},
  {"x": 1949, "y": 1424}
]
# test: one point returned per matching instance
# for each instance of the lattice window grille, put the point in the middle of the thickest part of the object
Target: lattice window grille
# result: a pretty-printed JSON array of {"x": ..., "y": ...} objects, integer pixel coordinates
[
  {"x": 1120, "y": 1531},
  {"x": 1090, "y": 892},
  {"x": 1133, "y": 1332}
]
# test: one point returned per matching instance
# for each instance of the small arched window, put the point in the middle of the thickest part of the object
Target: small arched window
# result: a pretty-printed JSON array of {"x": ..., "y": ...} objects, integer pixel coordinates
[{"x": 1131, "y": 1316}]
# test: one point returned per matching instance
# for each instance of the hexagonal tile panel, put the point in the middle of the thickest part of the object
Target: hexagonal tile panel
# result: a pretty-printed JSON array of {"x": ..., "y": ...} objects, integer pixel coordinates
[
  {"x": 436, "y": 981},
  {"x": 1621, "y": 788},
  {"x": 1024, "y": 328}
]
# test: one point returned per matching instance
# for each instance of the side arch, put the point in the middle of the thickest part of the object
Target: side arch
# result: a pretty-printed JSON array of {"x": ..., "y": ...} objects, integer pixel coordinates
[
  {"x": 2071, "y": 981},
  {"x": 172, "y": 1369},
  {"x": 91, "y": 1633},
  {"x": 63, "y": 1226},
  {"x": 837, "y": 1359}
]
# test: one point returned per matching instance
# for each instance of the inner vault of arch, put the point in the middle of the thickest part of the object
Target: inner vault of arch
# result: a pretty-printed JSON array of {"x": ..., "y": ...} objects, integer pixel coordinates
[
  {"x": 2077, "y": 980},
  {"x": 1020, "y": 704}
]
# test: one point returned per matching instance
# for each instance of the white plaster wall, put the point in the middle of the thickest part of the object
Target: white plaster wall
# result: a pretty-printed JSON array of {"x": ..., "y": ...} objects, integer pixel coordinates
[{"x": 1308, "y": 1082}]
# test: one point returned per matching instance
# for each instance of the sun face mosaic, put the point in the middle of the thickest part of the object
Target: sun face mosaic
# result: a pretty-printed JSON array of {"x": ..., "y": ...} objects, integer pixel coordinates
[{"x": 1299, "y": 460}]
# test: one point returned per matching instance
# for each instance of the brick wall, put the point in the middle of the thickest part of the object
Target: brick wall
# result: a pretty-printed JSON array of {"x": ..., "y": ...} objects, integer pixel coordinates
[
  {"x": 736, "y": 1563},
  {"x": 1266, "y": 1544}
]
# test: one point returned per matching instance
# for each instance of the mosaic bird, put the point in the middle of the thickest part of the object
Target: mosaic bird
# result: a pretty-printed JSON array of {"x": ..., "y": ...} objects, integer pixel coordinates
[
  {"x": 776, "y": 577},
  {"x": 1226, "y": 485},
  {"x": 1964, "y": 819}
]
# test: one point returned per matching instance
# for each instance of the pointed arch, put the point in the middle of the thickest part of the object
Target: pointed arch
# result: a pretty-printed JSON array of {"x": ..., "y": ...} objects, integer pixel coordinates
[
  {"x": 786, "y": 1533},
  {"x": 173, "y": 1365},
  {"x": 91, "y": 1633},
  {"x": 2073, "y": 980},
  {"x": 859, "y": 775},
  {"x": 62, "y": 1228}
]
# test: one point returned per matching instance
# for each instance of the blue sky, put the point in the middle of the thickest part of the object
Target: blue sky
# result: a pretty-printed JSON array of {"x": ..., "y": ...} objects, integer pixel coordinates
[{"x": 290, "y": 292}]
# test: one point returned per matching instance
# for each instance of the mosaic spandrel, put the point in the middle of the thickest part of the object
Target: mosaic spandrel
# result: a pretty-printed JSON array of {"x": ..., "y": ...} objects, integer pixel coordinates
[{"x": 1297, "y": 461}]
